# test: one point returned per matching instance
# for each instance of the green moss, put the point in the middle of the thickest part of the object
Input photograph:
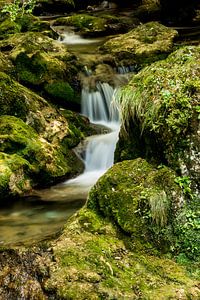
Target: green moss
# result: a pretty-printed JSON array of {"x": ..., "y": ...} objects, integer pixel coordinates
[
  {"x": 143, "y": 45},
  {"x": 40, "y": 61},
  {"x": 14, "y": 178},
  {"x": 11, "y": 101},
  {"x": 93, "y": 261},
  {"x": 60, "y": 91},
  {"x": 48, "y": 161},
  {"x": 6, "y": 65},
  {"x": 159, "y": 104},
  {"x": 31, "y": 70},
  {"x": 8, "y": 27},
  {"x": 90, "y": 25},
  {"x": 83, "y": 23},
  {"x": 79, "y": 128},
  {"x": 140, "y": 199},
  {"x": 29, "y": 22}
]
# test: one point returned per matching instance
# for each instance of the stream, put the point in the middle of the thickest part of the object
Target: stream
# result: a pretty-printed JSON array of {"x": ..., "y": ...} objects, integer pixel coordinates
[{"x": 39, "y": 217}]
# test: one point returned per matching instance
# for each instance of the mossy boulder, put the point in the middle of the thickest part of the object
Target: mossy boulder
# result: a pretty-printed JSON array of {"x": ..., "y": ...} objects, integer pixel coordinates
[
  {"x": 147, "y": 202},
  {"x": 24, "y": 23},
  {"x": 92, "y": 259},
  {"x": 61, "y": 92},
  {"x": 141, "y": 199},
  {"x": 46, "y": 139},
  {"x": 8, "y": 27},
  {"x": 37, "y": 157},
  {"x": 41, "y": 62},
  {"x": 143, "y": 45},
  {"x": 160, "y": 112},
  {"x": 90, "y": 25}
]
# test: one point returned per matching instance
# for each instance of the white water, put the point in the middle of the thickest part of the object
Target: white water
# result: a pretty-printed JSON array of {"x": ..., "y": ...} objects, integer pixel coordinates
[
  {"x": 71, "y": 38},
  {"x": 99, "y": 154}
]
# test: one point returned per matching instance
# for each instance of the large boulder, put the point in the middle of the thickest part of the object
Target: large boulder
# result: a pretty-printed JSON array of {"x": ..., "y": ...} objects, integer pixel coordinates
[
  {"x": 23, "y": 23},
  {"x": 143, "y": 45},
  {"x": 44, "y": 65},
  {"x": 160, "y": 113},
  {"x": 90, "y": 25},
  {"x": 140, "y": 198},
  {"x": 36, "y": 135}
]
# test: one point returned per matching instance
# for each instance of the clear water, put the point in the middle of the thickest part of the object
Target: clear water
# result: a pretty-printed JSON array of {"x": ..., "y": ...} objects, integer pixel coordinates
[{"x": 31, "y": 219}]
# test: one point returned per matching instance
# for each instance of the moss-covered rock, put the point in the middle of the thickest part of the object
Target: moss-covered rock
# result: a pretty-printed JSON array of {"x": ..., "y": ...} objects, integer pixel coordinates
[
  {"x": 93, "y": 260},
  {"x": 160, "y": 109},
  {"x": 14, "y": 175},
  {"x": 24, "y": 23},
  {"x": 60, "y": 91},
  {"x": 90, "y": 25},
  {"x": 6, "y": 65},
  {"x": 46, "y": 138},
  {"x": 8, "y": 27},
  {"x": 143, "y": 45},
  {"x": 139, "y": 198},
  {"x": 40, "y": 61},
  {"x": 44, "y": 160},
  {"x": 29, "y": 22}
]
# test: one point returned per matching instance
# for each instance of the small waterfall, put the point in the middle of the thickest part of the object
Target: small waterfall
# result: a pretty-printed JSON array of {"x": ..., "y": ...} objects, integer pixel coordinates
[
  {"x": 97, "y": 105},
  {"x": 99, "y": 153}
]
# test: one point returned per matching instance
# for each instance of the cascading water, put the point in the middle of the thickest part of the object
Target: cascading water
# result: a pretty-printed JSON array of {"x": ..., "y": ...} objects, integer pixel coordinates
[{"x": 99, "y": 153}]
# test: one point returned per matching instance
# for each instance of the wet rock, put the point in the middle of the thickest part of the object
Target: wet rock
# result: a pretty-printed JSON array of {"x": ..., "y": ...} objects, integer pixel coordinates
[{"x": 23, "y": 273}]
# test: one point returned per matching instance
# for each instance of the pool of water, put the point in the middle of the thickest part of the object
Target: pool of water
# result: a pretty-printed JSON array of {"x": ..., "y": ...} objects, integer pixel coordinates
[{"x": 33, "y": 219}]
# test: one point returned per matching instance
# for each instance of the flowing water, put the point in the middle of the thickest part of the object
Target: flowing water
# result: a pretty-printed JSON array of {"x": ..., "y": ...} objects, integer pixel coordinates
[{"x": 36, "y": 218}]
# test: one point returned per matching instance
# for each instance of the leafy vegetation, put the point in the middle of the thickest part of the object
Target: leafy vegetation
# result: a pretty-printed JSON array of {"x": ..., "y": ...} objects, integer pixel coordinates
[
  {"x": 19, "y": 8},
  {"x": 159, "y": 113}
]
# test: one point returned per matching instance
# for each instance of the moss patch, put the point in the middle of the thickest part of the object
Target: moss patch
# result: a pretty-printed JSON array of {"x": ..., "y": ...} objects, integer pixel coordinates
[
  {"x": 89, "y": 25},
  {"x": 40, "y": 61},
  {"x": 14, "y": 171},
  {"x": 94, "y": 261},
  {"x": 60, "y": 91},
  {"x": 141, "y": 199},
  {"x": 143, "y": 45}
]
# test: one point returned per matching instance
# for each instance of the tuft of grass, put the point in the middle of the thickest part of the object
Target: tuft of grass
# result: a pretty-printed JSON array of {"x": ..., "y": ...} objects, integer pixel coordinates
[{"x": 159, "y": 207}]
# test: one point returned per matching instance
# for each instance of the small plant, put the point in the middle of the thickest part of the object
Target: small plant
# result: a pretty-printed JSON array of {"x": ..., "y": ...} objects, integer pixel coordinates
[
  {"x": 184, "y": 182},
  {"x": 19, "y": 8}
]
